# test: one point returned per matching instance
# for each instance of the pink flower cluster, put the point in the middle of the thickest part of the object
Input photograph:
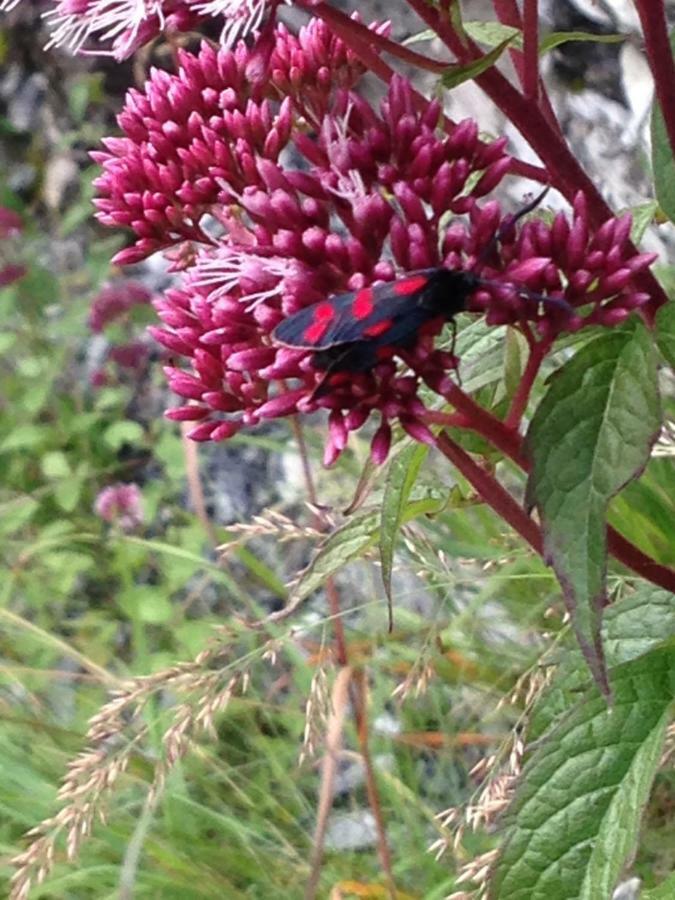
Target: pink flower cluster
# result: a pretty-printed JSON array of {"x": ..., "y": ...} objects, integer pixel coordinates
[
  {"x": 114, "y": 300},
  {"x": 120, "y": 504},
  {"x": 275, "y": 192},
  {"x": 11, "y": 226}
]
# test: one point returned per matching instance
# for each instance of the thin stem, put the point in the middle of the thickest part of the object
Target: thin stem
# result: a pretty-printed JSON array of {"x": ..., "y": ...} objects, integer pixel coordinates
[
  {"x": 341, "y": 653},
  {"x": 652, "y": 15},
  {"x": 491, "y": 492},
  {"x": 522, "y": 395},
  {"x": 531, "y": 50},
  {"x": 299, "y": 433},
  {"x": 509, "y": 442},
  {"x": 361, "y": 720}
]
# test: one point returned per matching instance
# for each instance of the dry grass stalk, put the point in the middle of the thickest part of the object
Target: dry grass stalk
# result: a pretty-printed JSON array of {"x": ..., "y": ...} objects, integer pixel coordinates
[
  {"x": 494, "y": 798},
  {"x": 113, "y": 734},
  {"x": 318, "y": 710},
  {"x": 269, "y": 523}
]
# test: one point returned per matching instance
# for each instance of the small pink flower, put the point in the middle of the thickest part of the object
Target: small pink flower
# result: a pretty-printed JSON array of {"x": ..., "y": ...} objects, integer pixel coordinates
[
  {"x": 11, "y": 226},
  {"x": 120, "y": 504},
  {"x": 114, "y": 300}
]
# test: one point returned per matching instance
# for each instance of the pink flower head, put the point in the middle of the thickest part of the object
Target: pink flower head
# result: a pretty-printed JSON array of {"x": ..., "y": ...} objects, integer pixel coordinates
[
  {"x": 192, "y": 141},
  {"x": 275, "y": 194},
  {"x": 587, "y": 276},
  {"x": 11, "y": 226},
  {"x": 120, "y": 504},
  {"x": 114, "y": 300}
]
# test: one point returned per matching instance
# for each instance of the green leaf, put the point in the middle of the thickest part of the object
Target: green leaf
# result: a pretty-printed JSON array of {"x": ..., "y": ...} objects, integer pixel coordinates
[
  {"x": 633, "y": 626},
  {"x": 401, "y": 476},
  {"x": 556, "y": 38},
  {"x": 456, "y": 75},
  {"x": 351, "y": 541},
  {"x": 665, "y": 332},
  {"x": 663, "y": 162},
  {"x": 125, "y": 432},
  {"x": 55, "y": 464},
  {"x": 146, "y": 604},
  {"x": 24, "y": 437},
  {"x": 574, "y": 819},
  {"x": 67, "y": 493},
  {"x": 492, "y": 34},
  {"x": 590, "y": 436},
  {"x": 642, "y": 216}
]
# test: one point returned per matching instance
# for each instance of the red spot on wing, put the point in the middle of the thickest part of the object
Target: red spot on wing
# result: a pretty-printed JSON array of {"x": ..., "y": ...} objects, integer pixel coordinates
[
  {"x": 363, "y": 303},
  {"x": 377, "y": 328},
  {"x": 323, "y": 315},
  {"x": 410, "y": 285}
]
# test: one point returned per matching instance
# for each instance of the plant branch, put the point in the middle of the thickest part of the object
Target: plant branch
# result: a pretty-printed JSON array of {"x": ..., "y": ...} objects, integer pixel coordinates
[
  {"x": 491, "y": 491},
  {"x": 361, "y": 720},
  {"x": 510, "y": 443},
  {"x": 522, "y": 395},
  {"x": 652, "y": 15},
  {"x": 531, "y": 50}
]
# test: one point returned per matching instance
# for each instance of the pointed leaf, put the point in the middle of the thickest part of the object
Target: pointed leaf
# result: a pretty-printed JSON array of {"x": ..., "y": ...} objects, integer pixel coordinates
[
  {"x": 455, "y": 75},
  {"x": 401, "y": 476},
  {"x": 574, "y": 819},
  {"x": 556, "y": 38},
  {"x": 632, "y": 627},
  {"x": 591, "y": 435}
]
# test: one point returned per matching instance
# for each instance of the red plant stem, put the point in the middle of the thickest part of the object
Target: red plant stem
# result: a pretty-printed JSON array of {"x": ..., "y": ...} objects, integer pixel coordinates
[
  {"x": 566, "y": 173},
  {"x": 510, "y": 443},
  {"x": 492, "y": 492},
  {"x": 342, "y": 25},
  {"x": 508, "y": 14},
  {"x": 341, "y": 654},
  {"x": 522, "y": 395},
  {"x": 652, "y": 15},
  {"x": 358, "y": 694},
  {"x": 531, "y": 50}
]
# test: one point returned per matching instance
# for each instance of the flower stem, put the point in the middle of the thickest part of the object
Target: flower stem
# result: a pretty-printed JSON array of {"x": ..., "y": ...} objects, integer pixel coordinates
[
  {"x": 522, "y": 395},
  {"x": 531, "y": 50},
  {"x": 510, "y": 443},
  {"x": 491, "y": 492},
  {"x": 652, "y": 15}
]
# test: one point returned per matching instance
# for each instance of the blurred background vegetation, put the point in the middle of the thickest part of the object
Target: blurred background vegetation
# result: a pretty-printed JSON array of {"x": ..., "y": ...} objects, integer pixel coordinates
[{"x": 86, "y": 603}]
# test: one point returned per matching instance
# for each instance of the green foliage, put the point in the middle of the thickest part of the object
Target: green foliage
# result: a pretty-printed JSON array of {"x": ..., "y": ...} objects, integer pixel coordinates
[{"x": 590, "y": 435}]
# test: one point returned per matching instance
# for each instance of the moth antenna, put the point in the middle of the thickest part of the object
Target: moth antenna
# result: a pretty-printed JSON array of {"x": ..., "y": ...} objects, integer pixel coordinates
[{"x": 503, "y": 231}]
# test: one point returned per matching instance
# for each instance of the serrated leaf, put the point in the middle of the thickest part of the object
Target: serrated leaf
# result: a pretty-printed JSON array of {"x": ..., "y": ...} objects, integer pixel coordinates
[
  {"x": 556, "y": 38},
  {"x": 351, "y": 541},
  {"x": 590, "y": 436},
  {"x": 575, "y": 815},
  {"x": 632, "y": 627},
  {"x": 665, "y": 332},
  {"x": 401, "y": 476},
  {"x": 663, "y": 163},
  {"x": 456, "y": 75},
  {"x": 24, "y": 437}
]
